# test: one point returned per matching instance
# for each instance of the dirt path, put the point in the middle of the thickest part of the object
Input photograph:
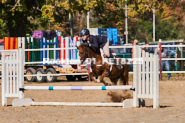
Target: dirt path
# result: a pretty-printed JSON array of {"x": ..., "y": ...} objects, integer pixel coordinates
[{"x": 172, "y": 106}]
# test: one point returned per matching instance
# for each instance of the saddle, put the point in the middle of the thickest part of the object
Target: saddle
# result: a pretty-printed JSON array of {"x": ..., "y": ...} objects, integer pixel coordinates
[{"x": 113, "y": 55}]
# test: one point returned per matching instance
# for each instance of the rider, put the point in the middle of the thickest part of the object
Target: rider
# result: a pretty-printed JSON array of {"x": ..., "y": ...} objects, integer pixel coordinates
[{"x": 98, "y": 42}]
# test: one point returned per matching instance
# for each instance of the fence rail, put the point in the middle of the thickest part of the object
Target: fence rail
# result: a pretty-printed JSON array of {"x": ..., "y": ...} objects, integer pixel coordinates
[{"x": 46, "y": 49}]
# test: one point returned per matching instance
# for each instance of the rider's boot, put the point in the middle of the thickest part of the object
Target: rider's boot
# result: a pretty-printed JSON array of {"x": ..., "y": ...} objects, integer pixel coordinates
[{"x": 118, "y": 67}]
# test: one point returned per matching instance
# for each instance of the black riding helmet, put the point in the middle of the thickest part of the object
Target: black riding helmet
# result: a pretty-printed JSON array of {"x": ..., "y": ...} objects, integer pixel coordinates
[{"x": 84, "y": 32}]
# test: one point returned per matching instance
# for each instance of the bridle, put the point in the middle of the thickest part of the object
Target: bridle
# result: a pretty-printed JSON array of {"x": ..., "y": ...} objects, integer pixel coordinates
[{"x": 91, "y": 56}]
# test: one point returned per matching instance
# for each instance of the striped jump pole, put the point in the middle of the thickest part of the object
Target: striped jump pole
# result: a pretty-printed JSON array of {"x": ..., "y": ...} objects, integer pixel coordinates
[{"x": 125, "y": 87}]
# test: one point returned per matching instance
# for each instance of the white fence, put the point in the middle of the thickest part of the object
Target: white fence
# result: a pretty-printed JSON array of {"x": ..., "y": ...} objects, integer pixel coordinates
[
  {"x": 144, "y": 88},
  {"x": 12, "y": 74},
  {"x": 109, "y": 47}
]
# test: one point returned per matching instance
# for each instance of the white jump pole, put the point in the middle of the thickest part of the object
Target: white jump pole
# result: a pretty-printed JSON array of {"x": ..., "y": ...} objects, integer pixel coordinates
[
  {"x": 125, "y": 87},
  {"x": 76, "y": 104}
]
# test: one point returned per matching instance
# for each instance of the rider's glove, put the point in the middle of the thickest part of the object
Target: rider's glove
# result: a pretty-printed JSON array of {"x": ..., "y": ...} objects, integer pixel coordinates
[{"x": 87, "y": 44}]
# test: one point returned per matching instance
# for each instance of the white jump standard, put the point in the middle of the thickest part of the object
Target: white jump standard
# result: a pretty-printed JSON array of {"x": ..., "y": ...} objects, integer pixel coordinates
[{"x": 13, "y": 82}]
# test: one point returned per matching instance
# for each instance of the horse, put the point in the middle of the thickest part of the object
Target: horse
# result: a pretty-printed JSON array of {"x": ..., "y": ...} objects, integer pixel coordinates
[{"x": 103, "y": 70}]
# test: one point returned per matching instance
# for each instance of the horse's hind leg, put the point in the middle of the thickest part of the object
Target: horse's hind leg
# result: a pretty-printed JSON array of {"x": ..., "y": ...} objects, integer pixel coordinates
[
  {"x": 114, "y": 80},
  {"x": 125, "y": 75},
  {"x": 123, "y": 79}
]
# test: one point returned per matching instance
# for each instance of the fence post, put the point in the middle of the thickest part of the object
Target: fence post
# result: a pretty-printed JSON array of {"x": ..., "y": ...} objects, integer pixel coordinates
[
  {"x": 156, "y": 83},
  {"x": 21, "y": 71},
  {"x": 135, "y": 77},
  {"x": 4, "y": 99}
]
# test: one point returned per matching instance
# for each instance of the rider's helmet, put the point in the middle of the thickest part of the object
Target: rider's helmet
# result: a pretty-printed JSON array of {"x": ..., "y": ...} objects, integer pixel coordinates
[{"x": 84, "y": 32}]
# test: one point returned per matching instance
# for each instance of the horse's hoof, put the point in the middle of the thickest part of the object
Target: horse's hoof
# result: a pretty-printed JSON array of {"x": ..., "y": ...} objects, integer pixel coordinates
[{"x": 97, "y": 80}]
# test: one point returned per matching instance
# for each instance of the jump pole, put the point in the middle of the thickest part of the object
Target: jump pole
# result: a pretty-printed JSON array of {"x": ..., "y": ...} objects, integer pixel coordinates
[
  {"x": 76, "y": 104},
  {"x": 125, "y": 87},
  {"x": 28, "y": 102}
]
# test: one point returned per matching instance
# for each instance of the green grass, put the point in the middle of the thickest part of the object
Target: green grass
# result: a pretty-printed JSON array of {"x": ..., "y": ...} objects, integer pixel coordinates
[{"x": 164, "y": 75}]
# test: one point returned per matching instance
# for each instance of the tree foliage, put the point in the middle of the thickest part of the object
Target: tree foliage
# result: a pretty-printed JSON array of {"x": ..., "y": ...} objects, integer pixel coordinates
[
  {"x": 18, "y": 16},
  {"x": 15, "y": 15}
]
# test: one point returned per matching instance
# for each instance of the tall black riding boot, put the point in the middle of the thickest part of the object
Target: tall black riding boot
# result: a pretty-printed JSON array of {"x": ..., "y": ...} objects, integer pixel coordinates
[{"x": 118, "y": 67}]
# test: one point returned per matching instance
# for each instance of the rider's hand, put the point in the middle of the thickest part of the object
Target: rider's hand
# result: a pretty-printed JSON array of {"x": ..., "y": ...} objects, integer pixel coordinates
[{"x": 87, "y": 44}]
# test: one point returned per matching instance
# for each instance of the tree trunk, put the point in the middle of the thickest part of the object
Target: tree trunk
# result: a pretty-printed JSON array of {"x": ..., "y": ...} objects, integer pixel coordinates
[{"x": 17, "y": 24}]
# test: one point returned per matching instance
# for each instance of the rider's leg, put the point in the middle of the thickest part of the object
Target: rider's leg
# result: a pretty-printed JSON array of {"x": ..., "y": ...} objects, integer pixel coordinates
[
  {"x": 101, "y": 52},
  {"x": 106, "y": 52},
  {"x": 106, "y": 49}
]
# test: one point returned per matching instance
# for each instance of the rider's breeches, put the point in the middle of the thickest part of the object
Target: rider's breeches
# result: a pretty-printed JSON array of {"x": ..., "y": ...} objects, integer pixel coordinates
[{"x": 106, "y": 49}]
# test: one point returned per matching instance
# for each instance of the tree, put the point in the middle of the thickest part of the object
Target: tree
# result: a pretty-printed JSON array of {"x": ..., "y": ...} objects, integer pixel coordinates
[
  {"x": 58, "y": 11},
  {"x": 15, "y": 15}
]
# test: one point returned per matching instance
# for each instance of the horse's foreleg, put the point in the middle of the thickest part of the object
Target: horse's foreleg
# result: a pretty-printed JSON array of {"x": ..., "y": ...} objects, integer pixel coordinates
[
  {"x": 91, "y": 76},
  {"x": 102, "y": 77}
]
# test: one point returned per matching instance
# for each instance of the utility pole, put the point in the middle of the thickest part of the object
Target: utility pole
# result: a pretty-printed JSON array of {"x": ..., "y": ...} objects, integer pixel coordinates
[
  {"x": 153, "y": 9},
  {"x": 126, "y": 28},
  {"x": 71, "y": 22},
  {"x": 47, "y": 17},
  {"x": 153, "y": 24},
  {"x": 71, "y": 25},
  {"x": 88, "y": 16}
]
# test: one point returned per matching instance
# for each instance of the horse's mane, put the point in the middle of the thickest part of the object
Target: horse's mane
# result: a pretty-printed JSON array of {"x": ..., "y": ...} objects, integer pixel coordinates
[{"x": 97, "y": 51}]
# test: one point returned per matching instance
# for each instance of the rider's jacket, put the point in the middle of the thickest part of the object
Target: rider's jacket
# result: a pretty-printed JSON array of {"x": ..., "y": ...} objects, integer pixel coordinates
[{"x": 97, "y": 41}]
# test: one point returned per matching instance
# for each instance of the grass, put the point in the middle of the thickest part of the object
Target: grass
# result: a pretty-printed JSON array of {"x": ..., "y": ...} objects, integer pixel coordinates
[{"x": 164, "y": 75}]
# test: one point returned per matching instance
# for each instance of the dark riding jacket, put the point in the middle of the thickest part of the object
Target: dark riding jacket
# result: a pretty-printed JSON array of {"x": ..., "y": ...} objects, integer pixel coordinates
[{"x": 97, "y": 41}]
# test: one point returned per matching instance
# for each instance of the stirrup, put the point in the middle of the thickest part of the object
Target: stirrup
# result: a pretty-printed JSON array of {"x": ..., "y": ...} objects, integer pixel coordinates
[{"x": 118, "y": 67}]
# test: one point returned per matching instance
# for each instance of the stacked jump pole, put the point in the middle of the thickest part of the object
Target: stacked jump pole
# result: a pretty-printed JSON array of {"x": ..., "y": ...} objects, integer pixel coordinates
[{"x": 13, "y": 80}]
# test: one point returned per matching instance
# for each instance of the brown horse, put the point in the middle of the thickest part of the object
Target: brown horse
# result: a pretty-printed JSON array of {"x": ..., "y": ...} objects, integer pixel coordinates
[{"x": 103, "y": 70}]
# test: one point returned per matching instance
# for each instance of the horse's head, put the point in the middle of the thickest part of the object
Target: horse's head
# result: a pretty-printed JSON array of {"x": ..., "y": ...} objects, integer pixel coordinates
[{"x": 83, "y": 52}]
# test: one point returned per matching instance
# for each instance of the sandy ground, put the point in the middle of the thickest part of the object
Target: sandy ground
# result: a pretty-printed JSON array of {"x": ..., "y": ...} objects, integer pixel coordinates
[{"x": 172, "y": 106}]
